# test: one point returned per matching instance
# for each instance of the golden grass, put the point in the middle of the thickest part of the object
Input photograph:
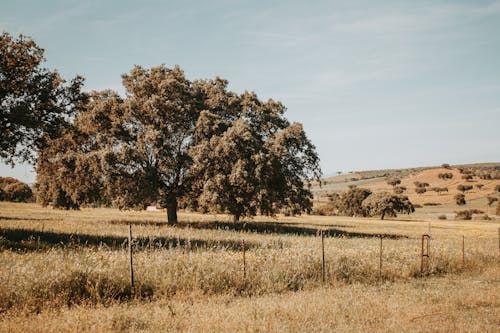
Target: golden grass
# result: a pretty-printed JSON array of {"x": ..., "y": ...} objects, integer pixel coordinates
[{"x": 72, "y": 267}]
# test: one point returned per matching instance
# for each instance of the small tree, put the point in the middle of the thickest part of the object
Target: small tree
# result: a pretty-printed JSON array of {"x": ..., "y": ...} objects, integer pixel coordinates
[
  {"x": 491, "y": 200},
  {"x": 467, "y": 177},
  {"x": 350, "y": 202},
  {"x": 438, "y": 190},
  {"x": 420, "y": 190},
  {"x": 384, "y": 203},
  {"x": 394, "y": 181},
  {"x": 399, "y": 189},
  {"x": 464, "y": 188},
  {"x": 445, "y": 175},
  {"x": 460, "y": 199},
  {"x": 445, "y": 166}
]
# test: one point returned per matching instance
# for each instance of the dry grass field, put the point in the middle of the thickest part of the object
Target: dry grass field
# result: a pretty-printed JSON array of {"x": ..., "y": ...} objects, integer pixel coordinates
[{"x": 69, "y": 271}]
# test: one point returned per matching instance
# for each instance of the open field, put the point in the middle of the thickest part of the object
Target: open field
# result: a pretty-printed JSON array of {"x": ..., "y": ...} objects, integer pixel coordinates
[{"x": 68, "y": 271}]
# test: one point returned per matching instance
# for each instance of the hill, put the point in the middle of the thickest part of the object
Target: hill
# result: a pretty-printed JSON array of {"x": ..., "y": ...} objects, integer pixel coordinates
[{"x": 484, "y": 178}]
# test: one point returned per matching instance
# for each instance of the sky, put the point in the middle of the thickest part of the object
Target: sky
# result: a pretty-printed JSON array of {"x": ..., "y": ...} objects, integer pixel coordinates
[{"x": 376, "y": 84}]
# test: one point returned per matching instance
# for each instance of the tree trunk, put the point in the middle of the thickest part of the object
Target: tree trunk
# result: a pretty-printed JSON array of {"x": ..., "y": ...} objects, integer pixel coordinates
[
  {"x": 383, "y": 215},
  {"x": 172, "y": 210}
]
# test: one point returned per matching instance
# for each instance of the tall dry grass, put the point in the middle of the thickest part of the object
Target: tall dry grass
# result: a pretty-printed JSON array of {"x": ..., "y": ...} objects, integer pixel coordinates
[{"x": 52, "y": 258}]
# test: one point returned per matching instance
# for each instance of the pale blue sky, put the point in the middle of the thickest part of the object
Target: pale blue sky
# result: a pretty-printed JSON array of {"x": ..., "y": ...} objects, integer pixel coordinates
[{"x": 377, "y": 84}]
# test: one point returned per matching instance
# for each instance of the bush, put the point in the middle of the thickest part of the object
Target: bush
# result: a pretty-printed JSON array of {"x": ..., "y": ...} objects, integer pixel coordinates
[
  {"x": 394, "y": 181},
  {"x": 17, "y": 192},
  {"x": 464, "y": 188},
  {"x": 460, "y": 199},
  {"x": 491, "y": 200},
  {"x": 421, "y": 184},
  {"x": 420, "y": 190},
  {"x": 399, "y": 189},
  {"x": 463, "y": 215},
  {"x": 467, "y": 177},
  {"x": 445, "y": 166},
  {"x": 445, "y": 175},
  {"x": 442, "y": 217}
]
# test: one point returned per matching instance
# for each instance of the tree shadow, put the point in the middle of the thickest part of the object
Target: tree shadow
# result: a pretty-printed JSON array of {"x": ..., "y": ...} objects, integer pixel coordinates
[
  {"x": 286, "y": 228},
  {"x": 26, "y": 240}
]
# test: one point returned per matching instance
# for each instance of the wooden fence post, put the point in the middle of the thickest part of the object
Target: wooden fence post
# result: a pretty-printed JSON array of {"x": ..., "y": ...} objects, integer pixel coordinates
[
  {"x": 463, "y": 251},
  {"x": 244, "y": 260},
  {"x": 132, "y": 290},
  {"x": 380, "y": 260},
  {"x": 323, "y": 267}
]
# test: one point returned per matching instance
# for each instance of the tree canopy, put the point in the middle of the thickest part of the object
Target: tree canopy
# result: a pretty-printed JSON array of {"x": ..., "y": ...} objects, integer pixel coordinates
[
  {"x": 171, "y": 139},
  {"x": 386, "y": 204},
  {"x": 35, "y": 102}
]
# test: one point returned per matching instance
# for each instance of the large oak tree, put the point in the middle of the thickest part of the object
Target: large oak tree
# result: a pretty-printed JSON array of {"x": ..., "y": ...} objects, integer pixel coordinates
[{"x": 35, "y": 102}]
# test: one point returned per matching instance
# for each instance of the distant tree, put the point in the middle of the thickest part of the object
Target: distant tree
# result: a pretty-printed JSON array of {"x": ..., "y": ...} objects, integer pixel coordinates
[
  {"x": 464, "y": 188},
  {"x": 463, "y": 215},
  {"x": 421, "y": 184},
  {"x": 420, "y": 190},
  {"x": 35, "y": 102},
  {"x": 14, "y": 190},
  {"x": 350, "y": 202},
  {"x": 399, "y": 189},
  {"x": 445, "y": 166},
  {"x": 386, "y": 204},
  {"x": 467, "y": 177},
  {"x": 445, "y": 175},
  {"x": 438, "y": 190},
  {"x": 491, "y": 200},
  {"x": 460, "y": 199},
  {"x": 394, "y": 181}
]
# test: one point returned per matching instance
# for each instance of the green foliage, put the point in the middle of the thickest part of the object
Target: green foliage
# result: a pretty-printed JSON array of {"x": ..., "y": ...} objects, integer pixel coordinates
[
  {"x": 386, "y": 204},
  {"x": 34, "y": 101}
]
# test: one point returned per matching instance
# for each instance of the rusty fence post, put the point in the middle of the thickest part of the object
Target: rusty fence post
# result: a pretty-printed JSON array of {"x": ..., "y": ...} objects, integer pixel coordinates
[
  {"x": 132, "y": 291},
  {"x": 323, "y": 267},
  {"x": 425, "y": 254}
]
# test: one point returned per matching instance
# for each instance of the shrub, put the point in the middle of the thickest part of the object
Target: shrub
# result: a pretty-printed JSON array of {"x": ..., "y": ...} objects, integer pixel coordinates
[
  {"x": 467, "y": 177},
  {"x": 445, "y": 175},
  {"x": 460, "y": 199},
  {"x": 421, "y": 184},
  {"x": 442, "y": 217},
  {"x": 438, "y": 190},
  {"x": 464, "y": 188},
  {"x": 17, "y": 192},
  {"x": 445, "y": 166},
  {"x": 479, "y": 186},
  {"x": 399, "y": 189},
  {"x": 420, "y": 190},
  {"x": 463, "y": 215},
  {"x": 491, "y": 200},
  {"x": 394, "y": 181}
]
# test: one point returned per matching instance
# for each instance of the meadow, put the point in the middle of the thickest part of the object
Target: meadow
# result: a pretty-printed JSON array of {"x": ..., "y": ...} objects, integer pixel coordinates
[{"x": 69, "y": 271}]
